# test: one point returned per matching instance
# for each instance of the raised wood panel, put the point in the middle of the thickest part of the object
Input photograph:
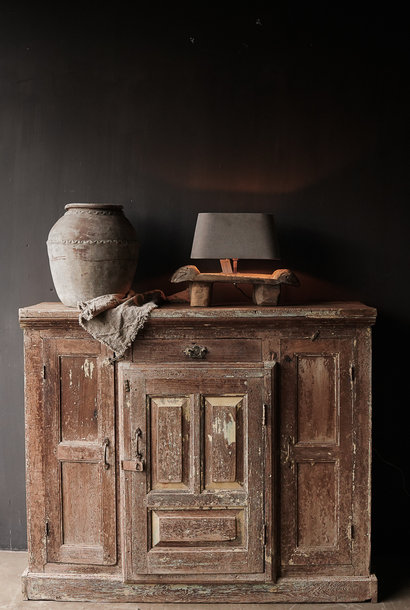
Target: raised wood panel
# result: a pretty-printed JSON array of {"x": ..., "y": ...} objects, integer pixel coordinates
[
  {"x": 318, "y": 397},
  {"x": 170, "y": 442},
  {"x": 78, "y": 392},
  {"x": 80, "y": 455},
  {"x": 223, "y": 436},
  {"x": 81, "y": 521},
  {"x": 316, "y": 512},
  {"x": 195, "y": 527}
]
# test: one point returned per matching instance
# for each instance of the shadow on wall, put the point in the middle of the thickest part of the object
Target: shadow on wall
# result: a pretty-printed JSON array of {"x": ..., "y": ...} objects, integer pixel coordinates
[{"x": 343, "y": 244}]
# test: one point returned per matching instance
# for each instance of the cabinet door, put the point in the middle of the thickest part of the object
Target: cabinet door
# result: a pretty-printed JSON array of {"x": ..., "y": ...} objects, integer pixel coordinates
[
  {"x": 316, "y": 446},
  {"x": 197, "y": 506},
  {"x": 80, "y": 459}
]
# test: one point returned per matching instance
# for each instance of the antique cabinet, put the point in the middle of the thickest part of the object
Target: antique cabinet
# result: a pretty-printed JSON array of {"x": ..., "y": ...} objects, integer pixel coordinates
[{"x": 227, "y": 456}]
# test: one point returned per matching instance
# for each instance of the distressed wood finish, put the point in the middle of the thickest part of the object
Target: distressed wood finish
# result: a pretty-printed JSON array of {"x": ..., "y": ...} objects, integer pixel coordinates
[
  {"x": 224, "y": 414},
  {"x": 266, "y": 288},
  {"x": 215, "y": 350},
  {"x": 79, "y": 452},
  {"x": 316, "y": 431},
  {"x": 34, "y": 433},
  {"x": 320, "y": 589},
  {"x": 242, "y": 471}
]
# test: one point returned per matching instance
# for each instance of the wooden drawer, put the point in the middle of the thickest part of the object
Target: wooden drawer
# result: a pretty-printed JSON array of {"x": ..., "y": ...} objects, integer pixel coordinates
[
  {"x": 190, "y": 528},
  {"x": 197, "y": 350}
]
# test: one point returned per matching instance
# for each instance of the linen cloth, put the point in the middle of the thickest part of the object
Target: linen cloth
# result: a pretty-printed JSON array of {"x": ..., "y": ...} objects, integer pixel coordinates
[{"x": 115, "y": 320}]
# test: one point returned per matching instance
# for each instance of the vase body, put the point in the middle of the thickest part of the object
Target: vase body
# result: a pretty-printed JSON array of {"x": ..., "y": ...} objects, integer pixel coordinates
[{"x": 93, "y": 250}]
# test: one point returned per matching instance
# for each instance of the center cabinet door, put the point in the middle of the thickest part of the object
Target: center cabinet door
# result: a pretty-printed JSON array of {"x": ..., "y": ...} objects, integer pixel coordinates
[{"x": 192, "y": 471}]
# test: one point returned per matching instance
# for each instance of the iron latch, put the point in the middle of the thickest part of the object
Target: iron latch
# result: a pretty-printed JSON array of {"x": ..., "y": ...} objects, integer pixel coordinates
[
  {"x": 136, "y": 465},
  {"x": 133, "y": 465}
]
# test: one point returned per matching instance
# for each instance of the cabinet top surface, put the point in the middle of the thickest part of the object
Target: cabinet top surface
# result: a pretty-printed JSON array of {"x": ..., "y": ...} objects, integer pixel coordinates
[{"x": 49, "y": 312}]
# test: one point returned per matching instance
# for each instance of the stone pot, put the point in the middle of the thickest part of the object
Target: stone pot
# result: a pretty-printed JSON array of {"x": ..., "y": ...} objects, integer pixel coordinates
[{"x": 93, "y": 250}]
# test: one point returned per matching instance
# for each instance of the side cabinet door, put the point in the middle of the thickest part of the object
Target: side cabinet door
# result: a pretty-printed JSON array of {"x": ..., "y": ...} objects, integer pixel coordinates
[
  {"x": 316, "y": 453},
  {"x": 193, "y": 460},
  {"x": 80, "y": 458}
]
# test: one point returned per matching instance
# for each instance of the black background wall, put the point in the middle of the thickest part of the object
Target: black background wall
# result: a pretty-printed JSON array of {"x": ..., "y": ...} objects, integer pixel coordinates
[{"x": 300, "y": 111}]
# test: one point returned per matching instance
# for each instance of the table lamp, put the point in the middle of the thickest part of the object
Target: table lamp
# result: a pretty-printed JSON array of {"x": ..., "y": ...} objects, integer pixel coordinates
[{"x": 227, "y": 237}]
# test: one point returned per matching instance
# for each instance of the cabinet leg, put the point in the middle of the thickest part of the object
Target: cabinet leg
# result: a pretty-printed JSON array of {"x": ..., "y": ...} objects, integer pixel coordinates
[{"x": 373, "y": 591}]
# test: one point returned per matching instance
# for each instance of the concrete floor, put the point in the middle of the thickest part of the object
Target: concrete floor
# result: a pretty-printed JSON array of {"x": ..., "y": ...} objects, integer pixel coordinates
[{"x": 394, "y": 588}]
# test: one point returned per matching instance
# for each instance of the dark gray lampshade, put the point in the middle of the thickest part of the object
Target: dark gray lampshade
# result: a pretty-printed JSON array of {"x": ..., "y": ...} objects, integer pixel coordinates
[{"x": 242, "y": 235}]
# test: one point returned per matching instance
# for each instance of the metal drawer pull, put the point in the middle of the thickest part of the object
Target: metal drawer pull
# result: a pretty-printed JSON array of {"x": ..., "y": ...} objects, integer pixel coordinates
[
  {"x": 106, "y": 444},
  {"x": 196, "y": 352}
]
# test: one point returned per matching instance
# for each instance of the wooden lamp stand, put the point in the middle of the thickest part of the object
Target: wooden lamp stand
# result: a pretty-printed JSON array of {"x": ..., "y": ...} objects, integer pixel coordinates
[{"x": 266, "y": 288}]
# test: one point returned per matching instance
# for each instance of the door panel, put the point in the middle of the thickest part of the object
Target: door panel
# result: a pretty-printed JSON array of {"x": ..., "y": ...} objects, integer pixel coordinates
[
  {"x": 316, "y": 438},
  {"x": 198, "y": 505},
  {"x": 223, "y": 438},
  {"x": 80, "y": 461},
  {"x": 317, "y": 513},
  {"x": 317, "y": 398},
  {"x": 170, "y": 442}
]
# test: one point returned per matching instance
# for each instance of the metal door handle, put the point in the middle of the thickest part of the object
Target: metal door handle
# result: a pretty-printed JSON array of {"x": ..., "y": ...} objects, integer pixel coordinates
[
  {"x": 139, "y": 462},
  {"x": 138, "y": 434},
  {"x": 106, "y": 444}
]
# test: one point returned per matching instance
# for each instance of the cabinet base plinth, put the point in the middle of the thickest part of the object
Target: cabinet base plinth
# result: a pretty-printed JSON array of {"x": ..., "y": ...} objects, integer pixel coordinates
[{"x": 98, "y": 588}]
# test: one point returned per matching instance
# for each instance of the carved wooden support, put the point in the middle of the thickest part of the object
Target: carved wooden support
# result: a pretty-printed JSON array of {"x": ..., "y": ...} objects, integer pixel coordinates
[
  {"x": 200, "y": 293},
  {"x": 266, "y": 288},
  {"x": 264, "y": 294}
]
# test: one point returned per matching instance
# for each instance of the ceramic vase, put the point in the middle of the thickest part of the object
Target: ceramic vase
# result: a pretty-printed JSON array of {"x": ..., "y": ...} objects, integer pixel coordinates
[{"x": 93, "y": 250}]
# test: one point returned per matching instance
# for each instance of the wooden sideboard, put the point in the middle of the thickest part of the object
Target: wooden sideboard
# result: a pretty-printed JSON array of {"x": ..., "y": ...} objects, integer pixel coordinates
[{"x": 225, "y": 458}]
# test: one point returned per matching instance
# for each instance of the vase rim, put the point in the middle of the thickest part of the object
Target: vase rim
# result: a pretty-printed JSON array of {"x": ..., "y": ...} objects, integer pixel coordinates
[{"x": 94, "y": 206}]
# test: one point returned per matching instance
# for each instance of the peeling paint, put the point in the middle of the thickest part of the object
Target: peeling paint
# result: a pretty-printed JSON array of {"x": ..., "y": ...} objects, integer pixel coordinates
[
  {"x": 226, "y": 427},
  {"x": 88, "y": 368}
]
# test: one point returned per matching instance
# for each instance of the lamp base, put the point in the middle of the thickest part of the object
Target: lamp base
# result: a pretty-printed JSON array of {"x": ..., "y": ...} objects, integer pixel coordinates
[{"x": 266, "y": 288}]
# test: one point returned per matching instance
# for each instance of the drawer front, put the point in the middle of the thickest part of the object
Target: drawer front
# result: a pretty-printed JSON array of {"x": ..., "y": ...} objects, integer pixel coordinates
[
  {"x": 197, "y": 350},
  {"x": 186, "y": 528}
]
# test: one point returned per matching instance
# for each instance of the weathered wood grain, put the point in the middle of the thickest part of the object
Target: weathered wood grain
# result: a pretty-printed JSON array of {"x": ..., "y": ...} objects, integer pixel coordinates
[
  {"x": 45, "y": 313},
  {"x": 315, "y": 589},
  {"x": 35, "y": 448},
  {"x": 79, "y": 452},
  {"x": 200, "y": 294},
  {"x": 265, "y": 294},
  {"x": 211, "y": 487},
  {"x": 266, "y": 288},
  {"x": 362, "y": 450},
  {"x": 316, "y": 445},
  {"x": 256, "y": 459},
  {"x": 217, "y": 350},
  {"x": 191, "y": 273}
]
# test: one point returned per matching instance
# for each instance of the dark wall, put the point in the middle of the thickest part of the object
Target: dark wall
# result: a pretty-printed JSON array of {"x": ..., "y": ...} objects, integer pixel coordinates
[{"x": 298, "y": 111}]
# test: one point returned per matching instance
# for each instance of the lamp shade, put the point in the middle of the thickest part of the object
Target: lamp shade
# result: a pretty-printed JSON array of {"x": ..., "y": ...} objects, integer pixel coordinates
[{"x": 238, "y": 235}]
